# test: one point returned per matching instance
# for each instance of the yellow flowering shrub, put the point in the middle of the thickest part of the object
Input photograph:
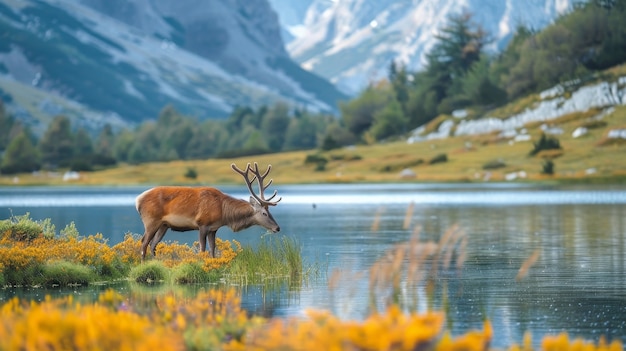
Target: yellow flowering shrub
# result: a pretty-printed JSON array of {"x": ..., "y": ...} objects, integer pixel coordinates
[
  {"x": 91, "y": 251},
  {"x": 62, "y": 325},
  {"x": 471, "y": 341},
  {"x": 19, "y": 256},
  {"x": 214, "y": 320},
  {"x": 562, "y": 342},
  {"x": 393, "y": 330},
  {"x": 173, "y": 254},
  {"x": 129, "y": 250}
]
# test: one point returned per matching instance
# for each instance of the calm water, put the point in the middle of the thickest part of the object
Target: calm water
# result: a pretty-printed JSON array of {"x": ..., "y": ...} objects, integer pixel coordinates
[{"x": 578, "y": 285}]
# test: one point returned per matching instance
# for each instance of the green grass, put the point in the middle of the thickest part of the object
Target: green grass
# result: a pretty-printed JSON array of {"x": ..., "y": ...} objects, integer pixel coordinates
[
  {"x": 273, "y": 259},
  {"x": 149, "y": 272},
  {"x": 192, "y": 273},
  {"x": 63, "y": 273}
]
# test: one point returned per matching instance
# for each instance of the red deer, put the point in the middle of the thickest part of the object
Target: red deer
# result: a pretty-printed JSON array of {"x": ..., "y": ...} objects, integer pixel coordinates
[{"x": 205, "y": 209}]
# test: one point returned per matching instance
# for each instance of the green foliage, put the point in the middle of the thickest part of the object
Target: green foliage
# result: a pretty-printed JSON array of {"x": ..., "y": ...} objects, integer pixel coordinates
[
  {"x": 395, "y": 167},
  {"x": 274, "y": 127},
  {"x": 440, "y": 158},
  {"x": 57, "y": 143},
  {"x": 389, "y": 121},
  {"x": 273, "y": 258},
  {"x": 494, "y": 164},
  {"x": 63, "y": 273},
  {"x": 358, "y": 114},
  {"x": 69, "y": 231},
  {"x": 318, "y": 160},
  {"x": 20, "y": 156},
  {"x": 193, "y": 273},
  {"x": 191, "y": 173},
  {"x": 545, "y": 143},
  {"x": 547, "y": 167},
  {"x": 150, "y": 272},
  {"x": 6, "y": 123},
  {"x": 336, "y": 136},
  {"x": 23, "y": 228},
  {"x": 30, "y": 275}
]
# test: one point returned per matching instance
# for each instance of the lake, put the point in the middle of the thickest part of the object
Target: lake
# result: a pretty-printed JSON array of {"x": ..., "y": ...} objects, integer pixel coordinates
[{"x": 577, "y": 285}]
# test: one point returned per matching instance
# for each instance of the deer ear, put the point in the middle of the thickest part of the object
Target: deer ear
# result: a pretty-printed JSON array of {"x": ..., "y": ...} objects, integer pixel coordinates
[{"x": 254, "y": 202}]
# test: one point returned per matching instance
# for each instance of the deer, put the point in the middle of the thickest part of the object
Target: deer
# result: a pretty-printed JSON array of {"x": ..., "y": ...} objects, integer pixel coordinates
[{"x": 206, "y": 209}]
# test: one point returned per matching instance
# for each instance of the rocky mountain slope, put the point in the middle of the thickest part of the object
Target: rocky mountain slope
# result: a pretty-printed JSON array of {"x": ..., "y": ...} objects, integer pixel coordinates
[
  {"x": 121, "y": 61},
  {"x": 352, "y": 42}
]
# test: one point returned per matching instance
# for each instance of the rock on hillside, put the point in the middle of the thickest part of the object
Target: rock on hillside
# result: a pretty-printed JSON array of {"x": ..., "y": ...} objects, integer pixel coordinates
[{"x": 553, "y": 103}]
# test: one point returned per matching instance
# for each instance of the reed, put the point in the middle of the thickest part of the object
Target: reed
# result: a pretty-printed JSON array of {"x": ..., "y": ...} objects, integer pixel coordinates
[
  {"x": 527, "y": 264},
  {"x": 395, "y": 277},
  {"x": 273, "y": 259}
]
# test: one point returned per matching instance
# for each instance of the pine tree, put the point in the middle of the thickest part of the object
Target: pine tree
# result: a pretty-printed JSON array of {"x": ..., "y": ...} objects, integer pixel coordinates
[
  {"x": 57, "y": 143},
  {"x": 20, "y": 156}
]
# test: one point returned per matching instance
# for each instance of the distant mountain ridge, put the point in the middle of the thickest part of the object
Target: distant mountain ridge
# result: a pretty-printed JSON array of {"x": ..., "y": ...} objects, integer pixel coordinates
[
  {"x": 352, "y": 42},
  {"x": 121, "y": 61}
]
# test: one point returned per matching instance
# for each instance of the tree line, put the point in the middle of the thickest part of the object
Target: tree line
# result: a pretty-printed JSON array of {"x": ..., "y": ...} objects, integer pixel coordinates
[
  {"x": 172, "y": 136},
  {"x": 459, "y": 73}
]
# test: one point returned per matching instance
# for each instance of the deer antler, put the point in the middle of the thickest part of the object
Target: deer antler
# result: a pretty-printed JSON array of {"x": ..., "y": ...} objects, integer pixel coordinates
[{"x": 260, "y": 179}]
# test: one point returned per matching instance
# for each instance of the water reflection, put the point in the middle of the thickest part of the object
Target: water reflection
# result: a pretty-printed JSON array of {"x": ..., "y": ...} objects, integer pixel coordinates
[{"x": 577, "y": 284}]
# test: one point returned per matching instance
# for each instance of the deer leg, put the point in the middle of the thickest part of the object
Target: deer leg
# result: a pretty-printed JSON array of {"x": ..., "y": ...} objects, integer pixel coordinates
[
  {"x": 202, "y": 235},
  {"x": 157, "y": 238},
  {"x": 211, "y": 235},
  {"x": 147, "y": 237}
]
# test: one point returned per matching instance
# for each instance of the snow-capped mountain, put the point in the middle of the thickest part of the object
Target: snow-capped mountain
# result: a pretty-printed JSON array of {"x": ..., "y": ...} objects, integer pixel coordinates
[
  {"x": 105, "y": 61},
  {"x": 352, "y": 42}
]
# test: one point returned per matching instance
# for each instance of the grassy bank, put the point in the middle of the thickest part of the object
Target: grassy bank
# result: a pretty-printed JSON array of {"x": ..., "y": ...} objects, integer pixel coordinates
[
  {"x": 590, "y": 158},
  {"x": 33, "y": 254}
]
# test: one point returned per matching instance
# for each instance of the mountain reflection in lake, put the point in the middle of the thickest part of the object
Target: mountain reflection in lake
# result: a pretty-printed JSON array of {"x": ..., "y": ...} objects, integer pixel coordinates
[{"x": 578, "y": 284}]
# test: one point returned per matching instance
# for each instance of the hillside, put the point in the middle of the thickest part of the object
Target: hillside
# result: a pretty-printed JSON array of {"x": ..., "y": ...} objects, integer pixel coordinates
[
  {"x": 594, "y": 157},
  {"x": 98, "y": 62},
  {"x": 352, "y": 42}
]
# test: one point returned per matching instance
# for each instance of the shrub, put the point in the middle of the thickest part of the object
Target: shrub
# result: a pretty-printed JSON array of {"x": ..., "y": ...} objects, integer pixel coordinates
[
  {"x": 317, "y": 159},
  {"x": 150, "y": 272},
  {"x": 64, "y": 273},
  {"x": 394, "y": 167},
  {"x": 545, "y": 143},
  {"x": 191, "y": 173},
  {"x": 495, "y": 164},
  {"x": 341, "y": 157},
  {"x": 23, "y": 228},
  {"x": 70, "y": 231},
  {"x": 441, "y": 158},
  {"x": 548, "y": 167}
]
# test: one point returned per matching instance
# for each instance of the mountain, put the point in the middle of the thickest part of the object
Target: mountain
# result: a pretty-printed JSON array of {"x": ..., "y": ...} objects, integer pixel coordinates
[
  {"x": 122, "y": 61},
  {"x": 352, "y": 42}
]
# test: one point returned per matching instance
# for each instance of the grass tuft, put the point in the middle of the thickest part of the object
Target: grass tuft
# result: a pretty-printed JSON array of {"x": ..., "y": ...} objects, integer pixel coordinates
[
  {"x": 64, "y": 273},
  {"x": 193, "y": 273},
  {"x": 150, "y": 272}
]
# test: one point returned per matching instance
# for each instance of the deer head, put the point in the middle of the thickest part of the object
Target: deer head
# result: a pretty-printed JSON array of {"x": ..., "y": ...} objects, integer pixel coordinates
[{"x": 259, "y": 203}]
